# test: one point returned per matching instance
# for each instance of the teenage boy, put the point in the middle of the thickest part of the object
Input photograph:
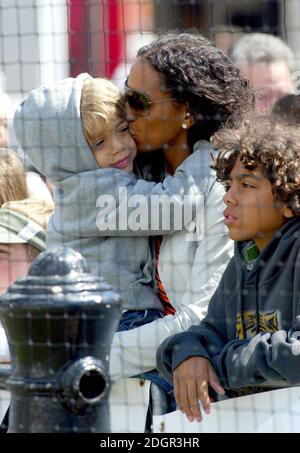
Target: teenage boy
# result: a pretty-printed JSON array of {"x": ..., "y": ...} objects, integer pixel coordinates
[{"x": 248, "y": 342}]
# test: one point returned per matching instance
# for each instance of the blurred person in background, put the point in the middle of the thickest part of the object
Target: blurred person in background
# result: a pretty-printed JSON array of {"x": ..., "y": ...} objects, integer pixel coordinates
[
  {"x": 13, "y": 184},
  {"x": 268, "y": 63},
  {"x": 22, "y": 237},
  {"x": 4, "y": 108},
  {"x": 16, "y": 183},
  {"x": 287, "y": 109}
]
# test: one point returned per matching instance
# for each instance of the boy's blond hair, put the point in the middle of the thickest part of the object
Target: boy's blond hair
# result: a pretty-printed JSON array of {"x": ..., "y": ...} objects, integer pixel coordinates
[
  {"x": 13, "y": 185},
  {"x": 100, "y": 101}
]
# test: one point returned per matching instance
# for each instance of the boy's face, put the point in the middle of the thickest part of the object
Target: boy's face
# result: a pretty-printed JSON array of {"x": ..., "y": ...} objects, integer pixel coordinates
[
  {"x": 14, "y": 263},
  {"x": 251, "y": 211},
  {"x": 114, "y": 147}
]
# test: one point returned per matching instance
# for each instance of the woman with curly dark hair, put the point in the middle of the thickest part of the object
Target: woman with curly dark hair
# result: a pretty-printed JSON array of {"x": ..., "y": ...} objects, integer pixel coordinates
[
  {"x": 180, "y": 91},
  {"x": 249, "y": 340}
]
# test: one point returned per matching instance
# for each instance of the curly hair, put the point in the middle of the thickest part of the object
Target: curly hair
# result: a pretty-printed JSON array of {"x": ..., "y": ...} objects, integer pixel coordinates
[
  {"x": 271, "y": 147},
  {"x": 197, "y": 73},
  {"x": 287, "y": 109}
]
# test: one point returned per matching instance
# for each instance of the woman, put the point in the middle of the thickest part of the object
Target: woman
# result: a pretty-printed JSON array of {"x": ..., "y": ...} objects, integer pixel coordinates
[{"x": 179, "y": 92}]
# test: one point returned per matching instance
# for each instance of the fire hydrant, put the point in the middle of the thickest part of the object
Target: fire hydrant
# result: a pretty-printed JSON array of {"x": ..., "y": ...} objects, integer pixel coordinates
[{"x": 59, "y": 322}]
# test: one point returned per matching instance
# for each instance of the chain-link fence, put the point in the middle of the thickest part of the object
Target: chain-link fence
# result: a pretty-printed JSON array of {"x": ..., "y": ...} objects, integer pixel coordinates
[{"x": 141, "y": 202}]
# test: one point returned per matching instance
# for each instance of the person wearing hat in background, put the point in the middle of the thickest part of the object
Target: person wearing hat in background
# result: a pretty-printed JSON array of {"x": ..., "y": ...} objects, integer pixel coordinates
[{"x": 22, "y": 237}]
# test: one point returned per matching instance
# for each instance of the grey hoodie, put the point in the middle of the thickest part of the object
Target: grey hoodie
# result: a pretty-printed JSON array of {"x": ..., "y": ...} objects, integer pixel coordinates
[
  {"x": 252, "y": 330},
  {"x": 48, "y": 127}
]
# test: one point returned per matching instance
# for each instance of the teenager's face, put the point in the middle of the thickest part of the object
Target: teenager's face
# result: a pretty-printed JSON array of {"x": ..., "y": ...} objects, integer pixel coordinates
[
  {"x": 162, "y": 127},
  {"x": 113, "y": 146},
  {"x": 251, "y": 211},
  {"x": 14, "y": 263}
]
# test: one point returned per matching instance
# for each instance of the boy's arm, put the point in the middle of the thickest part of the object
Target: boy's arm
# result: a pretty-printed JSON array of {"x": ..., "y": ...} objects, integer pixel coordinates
[
  {"x": 270, "y": 359},
  {"x": 267, "y": 360},
  {"x": 203, "y": 340},
  {"x": 109, "y": 202},
  {"x": 186, "y": 358}
]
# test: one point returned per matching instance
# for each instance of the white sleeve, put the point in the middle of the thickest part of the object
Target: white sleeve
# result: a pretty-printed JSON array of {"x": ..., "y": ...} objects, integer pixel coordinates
[
  {"x": 134, "y": 351},
  {"x": 4, "y": 350},
  {"x": 37, "y": 188}
]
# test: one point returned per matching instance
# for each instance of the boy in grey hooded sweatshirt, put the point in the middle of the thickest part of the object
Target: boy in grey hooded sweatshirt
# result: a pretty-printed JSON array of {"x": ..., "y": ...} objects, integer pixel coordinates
[
  {"x": 249, "y": 340},
  {"x": 71, "y": 131}
]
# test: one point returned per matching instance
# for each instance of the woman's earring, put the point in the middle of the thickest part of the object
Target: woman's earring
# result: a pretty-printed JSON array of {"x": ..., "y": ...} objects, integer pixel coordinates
[{"x": 184, "y": 125}]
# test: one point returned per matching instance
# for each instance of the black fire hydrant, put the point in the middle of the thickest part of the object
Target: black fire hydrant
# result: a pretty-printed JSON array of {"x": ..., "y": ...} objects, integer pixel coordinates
[{"x": 59, "y": 321}]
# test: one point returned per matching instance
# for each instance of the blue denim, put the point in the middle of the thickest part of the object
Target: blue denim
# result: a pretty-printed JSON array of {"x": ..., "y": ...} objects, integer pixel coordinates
[
  {"x": 132, "y": 319},
  {"x": 136, "y": 318}
]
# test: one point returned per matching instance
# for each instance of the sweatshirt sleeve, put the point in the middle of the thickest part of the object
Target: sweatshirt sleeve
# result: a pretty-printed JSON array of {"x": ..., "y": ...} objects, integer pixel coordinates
[
  {"x": 134, "y": 351},
  {"x": 267, "y": 360},
  {"x": 110, "y": 202},
  {"x": 206, "y": 339}
]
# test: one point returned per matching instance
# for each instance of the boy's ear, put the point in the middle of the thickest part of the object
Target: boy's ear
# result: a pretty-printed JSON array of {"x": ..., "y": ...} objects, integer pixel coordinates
[{"x": 287, "y": 212}]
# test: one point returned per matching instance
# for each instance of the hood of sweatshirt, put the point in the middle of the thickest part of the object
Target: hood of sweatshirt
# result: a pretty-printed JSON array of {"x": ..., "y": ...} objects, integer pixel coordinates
[
  {"x": 48, "y": 127},
  {"x": 274, "y": 254}
]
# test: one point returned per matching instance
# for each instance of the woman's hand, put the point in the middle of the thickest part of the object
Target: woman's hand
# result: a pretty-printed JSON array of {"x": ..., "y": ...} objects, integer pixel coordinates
[{"x": 191, "y": 379}]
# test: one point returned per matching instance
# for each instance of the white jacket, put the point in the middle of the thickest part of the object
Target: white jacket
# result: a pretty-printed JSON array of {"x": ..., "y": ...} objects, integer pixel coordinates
[{"x": 190, "y": 271}]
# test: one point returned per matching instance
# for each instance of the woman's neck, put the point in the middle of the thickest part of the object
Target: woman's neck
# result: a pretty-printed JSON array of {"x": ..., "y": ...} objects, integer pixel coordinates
[{"x": 175, "y": 155}]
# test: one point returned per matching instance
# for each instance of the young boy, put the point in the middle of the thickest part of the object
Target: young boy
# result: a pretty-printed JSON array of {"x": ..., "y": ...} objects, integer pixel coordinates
[
  {"x": 248, "y": 341},
  {"x": 72, "y": 131}
]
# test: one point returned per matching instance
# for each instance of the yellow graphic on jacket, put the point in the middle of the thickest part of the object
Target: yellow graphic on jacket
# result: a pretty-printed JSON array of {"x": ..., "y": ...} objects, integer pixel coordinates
[
  {"x": 246, "y": 329},
  {"x": 267, "y": 322}
]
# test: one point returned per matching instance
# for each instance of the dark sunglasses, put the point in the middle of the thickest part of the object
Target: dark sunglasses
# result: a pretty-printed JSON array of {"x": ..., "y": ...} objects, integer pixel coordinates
[{"x": 140, "y": 102}]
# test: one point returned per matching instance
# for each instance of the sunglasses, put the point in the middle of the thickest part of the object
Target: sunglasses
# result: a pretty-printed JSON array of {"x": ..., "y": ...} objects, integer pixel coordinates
[{"x": 140, "y": 102}]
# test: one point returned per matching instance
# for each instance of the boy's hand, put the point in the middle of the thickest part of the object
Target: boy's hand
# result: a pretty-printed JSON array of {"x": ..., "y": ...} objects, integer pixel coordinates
[{"x": 191, "y": 379}]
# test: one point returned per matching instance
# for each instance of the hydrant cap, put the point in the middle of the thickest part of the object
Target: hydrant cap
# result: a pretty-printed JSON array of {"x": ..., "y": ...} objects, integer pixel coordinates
[{"x": 58, "y": 261}]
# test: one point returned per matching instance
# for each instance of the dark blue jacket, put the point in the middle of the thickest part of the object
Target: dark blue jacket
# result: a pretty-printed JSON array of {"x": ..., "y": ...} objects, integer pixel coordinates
[{"x": 250, "y": 332}]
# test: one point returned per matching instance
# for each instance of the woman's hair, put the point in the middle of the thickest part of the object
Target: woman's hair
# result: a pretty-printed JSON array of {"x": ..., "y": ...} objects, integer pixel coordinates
[
  {"x": 13, "y": 185},
  {"x": 100, "y": 101},
  {"x": 197, "y": 73},
  {"x": 271, "y": 147}
]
